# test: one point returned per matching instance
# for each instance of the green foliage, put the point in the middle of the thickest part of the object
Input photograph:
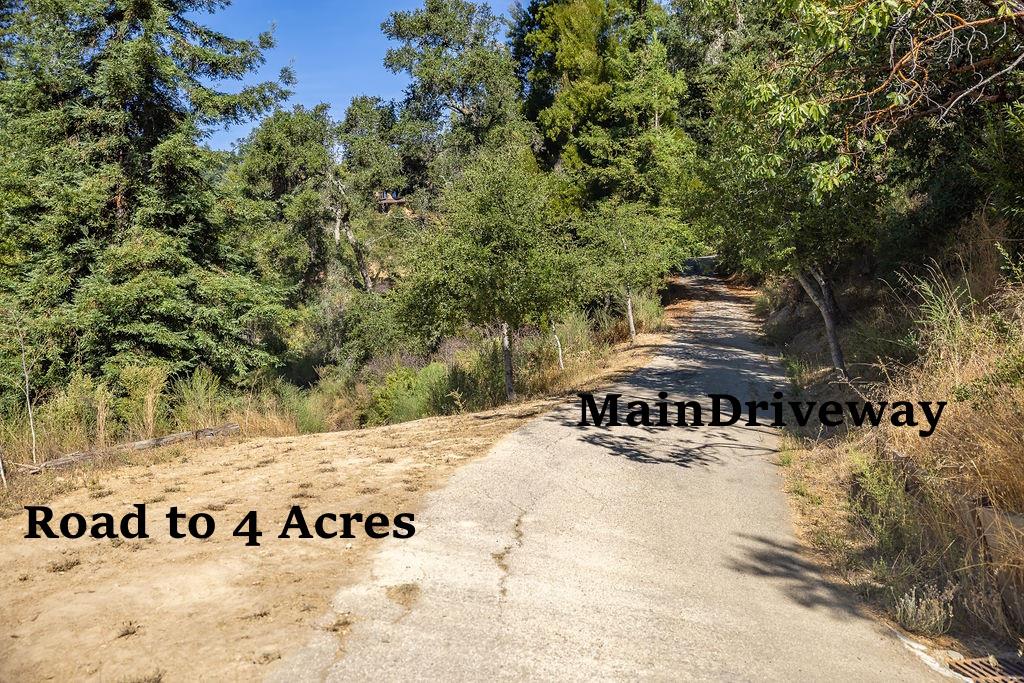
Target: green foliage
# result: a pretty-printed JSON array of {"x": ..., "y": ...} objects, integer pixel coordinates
[
  {"x": 885, "y": 507},
  {"x": 109, "y": 246},
  {"x": 142, "y": 403},
  {"x": 409, "y": 394},
  {"x": 451, "y": 51},
  {"x": 629, "y": 248},
  {"x": 277, "y": 198},
  {"x": 499, "y": 256},
  {"x": 650, "y": 316},
  {"x": 606, "y": 99},
  {"x": 199, "y": 401},
  {"x": 145, "y": 276}
]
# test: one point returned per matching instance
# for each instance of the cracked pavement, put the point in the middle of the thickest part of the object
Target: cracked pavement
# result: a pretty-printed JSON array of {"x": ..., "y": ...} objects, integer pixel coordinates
[{"x": 633, "y": 553}]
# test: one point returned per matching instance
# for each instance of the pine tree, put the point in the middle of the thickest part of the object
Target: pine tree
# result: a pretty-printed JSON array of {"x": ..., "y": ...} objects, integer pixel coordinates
[
  {"x": 107, "y": 192},
  {"x": 611, "y": 119},
  {"x": 281, "y": 185}
]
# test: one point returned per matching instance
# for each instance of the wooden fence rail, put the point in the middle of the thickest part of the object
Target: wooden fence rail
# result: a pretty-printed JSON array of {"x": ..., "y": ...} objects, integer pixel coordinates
[{"x": 81, "y": 456}]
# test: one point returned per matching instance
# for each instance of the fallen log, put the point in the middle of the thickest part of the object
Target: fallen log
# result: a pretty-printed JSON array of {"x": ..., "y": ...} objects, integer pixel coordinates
[{"x": 80, "y": 456}]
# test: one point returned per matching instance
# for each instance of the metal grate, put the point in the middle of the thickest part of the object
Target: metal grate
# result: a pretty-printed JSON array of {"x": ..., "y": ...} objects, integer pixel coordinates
[{"x": 990, "y": 669}]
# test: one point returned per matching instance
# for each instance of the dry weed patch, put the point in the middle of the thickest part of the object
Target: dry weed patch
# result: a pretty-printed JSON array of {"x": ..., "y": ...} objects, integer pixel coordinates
[{"x": 932, "y": 527}]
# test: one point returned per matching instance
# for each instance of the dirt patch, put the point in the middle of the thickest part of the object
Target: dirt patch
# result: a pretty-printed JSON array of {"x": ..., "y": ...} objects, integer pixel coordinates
[
  {"x": 216, "y": 609},
  {"x": 228, "y": 606},
  {"x": 405, "y": 594}
]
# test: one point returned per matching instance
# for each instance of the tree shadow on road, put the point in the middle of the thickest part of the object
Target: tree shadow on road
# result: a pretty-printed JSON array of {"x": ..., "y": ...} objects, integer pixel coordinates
[
  {"x": 799, "y": 578},
  {"x": 640, "y": 448}
]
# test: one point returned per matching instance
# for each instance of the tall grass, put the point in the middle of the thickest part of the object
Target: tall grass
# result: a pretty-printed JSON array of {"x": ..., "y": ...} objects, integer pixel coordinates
[
  {"x": 198, "y": 400},
  {"x": 144, "y": 401},
  {"x": 911, "y": 508}
]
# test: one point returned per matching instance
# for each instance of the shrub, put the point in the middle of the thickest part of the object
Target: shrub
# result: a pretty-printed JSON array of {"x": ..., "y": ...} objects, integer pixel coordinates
[
  {"x": 881, "y": 500},
  {"x": 409, "y": 394},
  {"x": 477, "y": 379},
  {"x": 142, "y": 405},
  {"x": 198, "y": 400},
  {"x": 928, "y": 611},
  {"x": 648, "y": 313}
]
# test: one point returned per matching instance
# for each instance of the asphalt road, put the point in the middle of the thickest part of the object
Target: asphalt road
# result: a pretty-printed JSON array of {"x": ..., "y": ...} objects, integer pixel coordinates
[{"x": 575, "y": 553}]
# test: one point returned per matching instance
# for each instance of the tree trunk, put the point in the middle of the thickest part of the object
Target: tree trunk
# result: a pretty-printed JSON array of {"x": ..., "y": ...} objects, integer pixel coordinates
[
  {"x": 506, "y": 355},
  {"x": 558, "y": 345},
  {"x": 629, "y": 316},
  {"x": 829, "y": 294},
  {"x": 350, "y": 237},
  {"x": 28, "y": 397},
  {"x": 823, "y": 298}
]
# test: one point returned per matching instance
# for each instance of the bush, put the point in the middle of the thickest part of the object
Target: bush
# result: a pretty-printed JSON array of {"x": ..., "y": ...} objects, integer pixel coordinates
[
  {"x": 577, "y": 338},
  {"x": 648, "y": 313},
  {"x": 409, "y": 394},
  {"x": 881, "y": 500},
  {"x": 198, "y": 400},
  {"x": 928, "y": 612},
  {"x": 142, "y": 405},
  {"x": 477, "y": 376}
]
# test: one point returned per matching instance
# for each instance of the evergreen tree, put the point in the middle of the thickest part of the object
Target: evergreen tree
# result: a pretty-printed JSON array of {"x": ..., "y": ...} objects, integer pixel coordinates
[
  {"x": 458, "y": 65},
  {"x": 598, "y": 76},
  {"x": 278, "y": 197},
  {"x": 106, "y": 196}
]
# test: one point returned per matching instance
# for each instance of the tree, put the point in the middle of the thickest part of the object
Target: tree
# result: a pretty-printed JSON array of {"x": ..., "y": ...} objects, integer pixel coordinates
[
  {"x": 598, "y": 76},
  {"x": 881, "y": 64},
  {"x": 451, "y": 51},
  {"x": 629, "y": 248},
  {"x": 280, "y": 196},
  {"x": 497, "y": 258},
  {"x": 770, "y": 180},
  {"x": 107, "y": 192},
  {"x": 372, "y": 161}
]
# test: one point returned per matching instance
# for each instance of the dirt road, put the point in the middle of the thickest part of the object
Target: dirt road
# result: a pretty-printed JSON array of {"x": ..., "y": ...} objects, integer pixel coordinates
[
  {"x": 188, "y": 609},
  {"x": 571, "y": 553}
]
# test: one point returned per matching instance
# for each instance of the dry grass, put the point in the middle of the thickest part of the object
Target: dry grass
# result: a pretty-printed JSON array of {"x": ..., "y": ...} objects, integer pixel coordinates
[
  {"x": 140, "y": 402},
  {"x": 904, "y": 516},
  {"x": 241, "y": 606}
]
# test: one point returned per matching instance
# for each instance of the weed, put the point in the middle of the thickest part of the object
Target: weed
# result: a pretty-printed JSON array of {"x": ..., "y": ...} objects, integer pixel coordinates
[
  {"x": 154, "y": 677},
  {"x": 798, "y": 371},
  {"x": 128, "y": 628},
  {"x": 340, "y": 625},
  {"x": 199, "y": 400},
  {"x": 64, "y": 565},
  {"x": 928, "y": 611}
]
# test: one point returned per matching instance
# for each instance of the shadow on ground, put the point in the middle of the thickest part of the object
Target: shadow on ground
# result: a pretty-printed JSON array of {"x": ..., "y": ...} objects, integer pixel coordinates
[{"x": 799, "y": 578}]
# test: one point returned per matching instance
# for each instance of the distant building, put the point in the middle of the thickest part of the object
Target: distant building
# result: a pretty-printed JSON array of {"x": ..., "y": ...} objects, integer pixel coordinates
[{"x": 388, "y": 198}]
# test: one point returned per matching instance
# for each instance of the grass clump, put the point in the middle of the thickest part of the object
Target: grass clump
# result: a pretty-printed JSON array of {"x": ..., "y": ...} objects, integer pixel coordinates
[{"x": 927, "y": 611}]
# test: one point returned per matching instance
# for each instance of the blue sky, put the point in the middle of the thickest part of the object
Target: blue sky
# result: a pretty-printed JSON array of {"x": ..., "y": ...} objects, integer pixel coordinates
[{"x": 335, "y": 48}]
